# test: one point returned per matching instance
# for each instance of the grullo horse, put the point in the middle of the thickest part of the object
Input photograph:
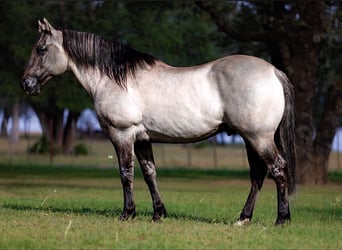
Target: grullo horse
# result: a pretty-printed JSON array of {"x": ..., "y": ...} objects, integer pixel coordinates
[{"x": 140, "y": 100}]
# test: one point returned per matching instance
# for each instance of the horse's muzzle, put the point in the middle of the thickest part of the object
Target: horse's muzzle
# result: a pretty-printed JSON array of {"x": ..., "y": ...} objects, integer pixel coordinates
[{"x": 30, "y": 86}]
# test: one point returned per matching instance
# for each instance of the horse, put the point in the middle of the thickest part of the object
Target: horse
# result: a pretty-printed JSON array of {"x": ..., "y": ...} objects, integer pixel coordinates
[{"x": 140, "y": 100}]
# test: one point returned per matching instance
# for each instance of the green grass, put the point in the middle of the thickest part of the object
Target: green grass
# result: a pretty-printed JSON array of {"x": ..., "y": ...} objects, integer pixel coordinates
[{"x": 54, "y": 207}]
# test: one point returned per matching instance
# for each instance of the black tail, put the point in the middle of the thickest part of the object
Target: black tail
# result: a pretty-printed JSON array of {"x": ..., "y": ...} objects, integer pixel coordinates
[{"x": 285, "y": 134}]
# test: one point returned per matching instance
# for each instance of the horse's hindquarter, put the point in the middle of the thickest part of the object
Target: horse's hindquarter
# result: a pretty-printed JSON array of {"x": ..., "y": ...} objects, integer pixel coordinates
[
  {"x": 180, "y": 104},
  {"x": 252, "y": 94}
]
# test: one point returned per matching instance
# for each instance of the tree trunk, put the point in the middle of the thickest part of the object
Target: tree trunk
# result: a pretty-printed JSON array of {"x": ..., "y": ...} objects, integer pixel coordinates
[
  {"x": 58, "y": 129},
  {"x": 4, "y": 123},
  {"x": 300, "y": 55},
  {"x": 326, "y": 131},
  {"x": 69, "y": 133},
  {"x": 51, "y": 121},
  {"x": 301, "y": 69},
  {"x": 15, "y": 133}
]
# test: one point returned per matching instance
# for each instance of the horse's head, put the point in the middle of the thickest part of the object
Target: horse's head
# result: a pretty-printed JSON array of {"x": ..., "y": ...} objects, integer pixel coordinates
[{"x": 48, "y": 59}]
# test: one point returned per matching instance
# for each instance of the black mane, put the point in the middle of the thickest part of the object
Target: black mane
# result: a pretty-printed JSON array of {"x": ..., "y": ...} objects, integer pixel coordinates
[{"x": 111, "y": 58}]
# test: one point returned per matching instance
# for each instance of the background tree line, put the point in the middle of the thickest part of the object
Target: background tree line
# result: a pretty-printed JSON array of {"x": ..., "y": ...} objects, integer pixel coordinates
[{"x": 302, "y": 38}]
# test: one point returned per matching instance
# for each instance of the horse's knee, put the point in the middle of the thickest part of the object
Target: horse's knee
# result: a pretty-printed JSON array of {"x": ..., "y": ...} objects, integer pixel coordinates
[
  {"x": 149, "y": 170},
  {"x": 127, "y": 175}
]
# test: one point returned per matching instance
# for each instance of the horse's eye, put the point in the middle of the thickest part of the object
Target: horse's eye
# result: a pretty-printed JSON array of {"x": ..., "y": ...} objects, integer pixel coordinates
[{"x": 41, "y": 50}]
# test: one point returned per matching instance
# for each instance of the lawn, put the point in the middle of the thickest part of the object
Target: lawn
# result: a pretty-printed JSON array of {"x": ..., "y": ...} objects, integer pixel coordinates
[{"x": 58, "y": 207}]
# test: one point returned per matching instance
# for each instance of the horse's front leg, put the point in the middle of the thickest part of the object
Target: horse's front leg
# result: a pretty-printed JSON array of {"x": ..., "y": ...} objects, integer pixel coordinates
[
  {"x": 124, "y": 151},
  {"x": 143, "y": 151}
]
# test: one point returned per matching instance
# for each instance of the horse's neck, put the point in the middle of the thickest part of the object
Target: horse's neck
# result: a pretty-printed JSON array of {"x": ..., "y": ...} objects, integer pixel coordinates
[{"x": 88, "y": 77}]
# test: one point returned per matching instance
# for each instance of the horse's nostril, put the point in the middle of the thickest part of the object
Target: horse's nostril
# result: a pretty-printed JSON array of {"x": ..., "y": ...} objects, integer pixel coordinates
[{"x": 29, "y": 84}]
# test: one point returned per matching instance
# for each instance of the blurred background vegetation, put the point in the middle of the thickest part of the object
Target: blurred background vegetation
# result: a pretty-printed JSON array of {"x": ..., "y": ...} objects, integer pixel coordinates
[{"x": 302, "y": 38}]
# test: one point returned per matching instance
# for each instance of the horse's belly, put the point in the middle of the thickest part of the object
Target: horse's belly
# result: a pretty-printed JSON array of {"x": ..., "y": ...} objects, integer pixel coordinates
[
  {"x": 181, "y": 127},
  {"x": 181, "y": 136}
]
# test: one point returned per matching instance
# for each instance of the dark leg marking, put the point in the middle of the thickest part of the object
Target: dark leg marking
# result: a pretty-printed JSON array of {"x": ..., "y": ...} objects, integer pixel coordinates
[
  {"x": 279, "y": 176},
  {"x": 258, "y": 170},
  {"x": 276, "y": 165},
  {"x": 125, "y": 158},
  {"x": 262, "y": 155},
  {"x": 143, "y": 151}
]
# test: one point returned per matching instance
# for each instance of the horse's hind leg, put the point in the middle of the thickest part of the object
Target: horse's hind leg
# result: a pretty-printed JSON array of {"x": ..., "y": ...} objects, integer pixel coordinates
[
  {"x": 268, "y": 152},
  {"x": 144, "y": 154},
  {"x": 277, "y": 170},
  {"x": 258, "y": 170}
]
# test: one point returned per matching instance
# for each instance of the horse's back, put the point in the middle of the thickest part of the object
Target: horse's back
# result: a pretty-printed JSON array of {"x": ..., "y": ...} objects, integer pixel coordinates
[{"x": 241, "y": 92}]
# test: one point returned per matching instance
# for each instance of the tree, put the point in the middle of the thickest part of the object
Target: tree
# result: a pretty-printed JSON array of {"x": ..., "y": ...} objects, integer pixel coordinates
[
  {"x": 173, "y": 31},
  {"x": 12, "y": 46},
  {"x": 295, "y": 33}
]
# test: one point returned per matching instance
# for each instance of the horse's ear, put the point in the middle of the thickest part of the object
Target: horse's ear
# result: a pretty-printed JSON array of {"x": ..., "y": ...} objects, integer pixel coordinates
[
  {"x": 48, "y": 26},
  {"x": 41, "y": 26},
  {"x": 45, "y": 26}
]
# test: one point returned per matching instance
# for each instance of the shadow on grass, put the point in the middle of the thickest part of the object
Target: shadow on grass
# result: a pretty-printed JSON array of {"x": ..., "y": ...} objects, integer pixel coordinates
[
  {"x": 48, "y": 171},
  {"x": 68, "y": 172},
  {"x": 52, "y": 171},
  {"x": 112, "y": 212},
  {"x": 22, "y": 183},
  {"x": 65, "y": 210},
  {"x": 325, "y": 214},
  {"x": 335, "y": 177},
  {"x": 332, "y": 212}
]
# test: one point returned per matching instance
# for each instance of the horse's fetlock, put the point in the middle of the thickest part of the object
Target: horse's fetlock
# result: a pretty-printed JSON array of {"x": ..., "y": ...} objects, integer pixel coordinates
[{"x": 159, "y": 212}]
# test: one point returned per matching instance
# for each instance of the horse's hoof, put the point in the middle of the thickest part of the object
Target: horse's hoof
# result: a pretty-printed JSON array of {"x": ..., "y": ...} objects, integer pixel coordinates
[
  {"x": 282, "y": 221},
  {"x": 156, "y": 219},
  {"x": 126, "y": 215},
  {"x": 242, "y": 222},
  {"x": 159, "y": 213}
]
